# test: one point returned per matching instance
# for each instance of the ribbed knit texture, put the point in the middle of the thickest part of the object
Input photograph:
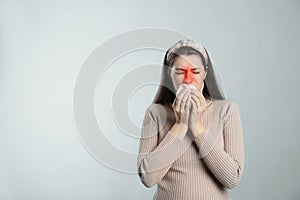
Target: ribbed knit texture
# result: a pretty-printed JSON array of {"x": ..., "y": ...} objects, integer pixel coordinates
[{"x": 201, "y": 168}]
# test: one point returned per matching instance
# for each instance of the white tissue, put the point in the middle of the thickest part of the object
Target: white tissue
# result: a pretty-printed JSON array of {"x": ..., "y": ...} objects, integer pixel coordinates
[{"x": 190, "y": 87}]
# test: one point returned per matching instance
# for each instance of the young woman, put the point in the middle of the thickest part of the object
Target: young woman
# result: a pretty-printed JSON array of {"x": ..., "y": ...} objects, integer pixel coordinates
[{"x": 192, "y": 141}]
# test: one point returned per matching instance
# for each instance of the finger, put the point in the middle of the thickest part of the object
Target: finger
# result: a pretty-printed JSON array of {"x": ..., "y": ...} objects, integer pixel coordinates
[
  {"x": 196, "y": 100},
  {"x": 183, "y": 102},
  {"x": 194, "y": 104},
  {"x": 202, "y": 101},
  {"x": 174, "y": 104},
  {"x": 179, "y": 99},
  {"x": 196, "y": 94},
  {"x": 196, "y": 91},
  {"x": 188, "y": 105}
]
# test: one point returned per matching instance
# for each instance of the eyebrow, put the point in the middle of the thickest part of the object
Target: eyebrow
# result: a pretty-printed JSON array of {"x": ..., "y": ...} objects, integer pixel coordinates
[{"x": 182, "y": 69}]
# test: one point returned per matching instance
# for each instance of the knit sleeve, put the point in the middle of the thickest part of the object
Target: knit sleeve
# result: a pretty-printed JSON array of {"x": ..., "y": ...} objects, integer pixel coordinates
[
  {"x": 155, "y": 159},
  {"x": 227, "y": 163}
]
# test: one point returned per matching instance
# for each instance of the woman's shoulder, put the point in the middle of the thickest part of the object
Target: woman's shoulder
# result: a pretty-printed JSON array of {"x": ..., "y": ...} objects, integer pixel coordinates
[
  {"x": 160, "y": 112},
  {"x": 224, "y": 102},
  {"x": 226, "y": 107},
  {"x": 156, "y": 108}
]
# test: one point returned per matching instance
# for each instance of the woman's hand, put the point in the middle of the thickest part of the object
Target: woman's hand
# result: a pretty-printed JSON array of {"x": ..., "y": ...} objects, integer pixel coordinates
[
  {"x": 198, "y": 107},
  {"x": 181, "y": 107}
]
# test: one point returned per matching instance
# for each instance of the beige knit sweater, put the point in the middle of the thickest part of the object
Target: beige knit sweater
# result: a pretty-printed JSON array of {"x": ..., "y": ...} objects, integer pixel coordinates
[{"x": 201, "y": 168}]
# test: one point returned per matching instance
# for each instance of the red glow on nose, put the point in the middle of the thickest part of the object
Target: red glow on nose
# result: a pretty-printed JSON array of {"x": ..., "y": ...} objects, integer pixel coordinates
[{"x": 188, "y": 75}]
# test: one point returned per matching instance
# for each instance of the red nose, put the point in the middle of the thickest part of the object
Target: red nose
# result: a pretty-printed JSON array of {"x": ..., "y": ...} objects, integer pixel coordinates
[{"x": 188, "y": 75}]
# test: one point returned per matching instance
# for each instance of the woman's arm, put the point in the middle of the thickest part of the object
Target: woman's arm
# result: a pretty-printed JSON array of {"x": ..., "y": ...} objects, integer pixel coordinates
[
  {"x": 154, "y": 160},
  {"x": 227, "y": 163}
]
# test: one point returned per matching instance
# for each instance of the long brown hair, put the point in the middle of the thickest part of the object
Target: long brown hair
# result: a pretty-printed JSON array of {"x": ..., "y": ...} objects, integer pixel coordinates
[{"x": 166, "y": 91}]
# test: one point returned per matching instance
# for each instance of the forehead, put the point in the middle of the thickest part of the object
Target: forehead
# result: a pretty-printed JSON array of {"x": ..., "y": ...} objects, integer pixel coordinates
[{"x": 188, "y": 60}]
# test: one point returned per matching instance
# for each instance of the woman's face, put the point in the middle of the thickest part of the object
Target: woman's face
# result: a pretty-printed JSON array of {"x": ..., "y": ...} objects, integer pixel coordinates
[{"x": 188, "y": 69}]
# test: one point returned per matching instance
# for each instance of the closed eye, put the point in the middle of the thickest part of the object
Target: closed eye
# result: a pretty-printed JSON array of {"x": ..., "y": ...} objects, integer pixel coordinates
[{"x": 194, "y": 72}]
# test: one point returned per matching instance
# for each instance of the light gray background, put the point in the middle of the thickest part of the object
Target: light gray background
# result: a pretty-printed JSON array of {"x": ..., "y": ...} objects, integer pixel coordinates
[{"x": 255, "y": 45}]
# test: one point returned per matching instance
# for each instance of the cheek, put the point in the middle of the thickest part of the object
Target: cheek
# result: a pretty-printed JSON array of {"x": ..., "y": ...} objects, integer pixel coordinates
[
  {"x": 177, "y": 80},
  {"x": 198, "y": 78}
]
